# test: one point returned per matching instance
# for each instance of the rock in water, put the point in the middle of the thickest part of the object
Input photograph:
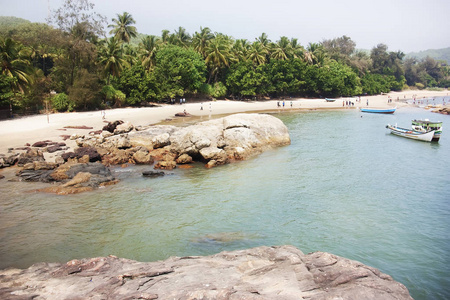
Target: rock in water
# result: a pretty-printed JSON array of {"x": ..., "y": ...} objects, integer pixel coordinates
[
  {"x": 152, "y": 173},
  {"x": 260, "y": 273}
]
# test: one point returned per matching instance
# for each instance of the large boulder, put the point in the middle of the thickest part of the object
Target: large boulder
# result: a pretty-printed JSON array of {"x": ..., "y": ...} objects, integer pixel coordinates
[
  {"x": 234, "y": 137},
  {"x": 260, "y": 273},
  {"x": 153, "y": 137}
]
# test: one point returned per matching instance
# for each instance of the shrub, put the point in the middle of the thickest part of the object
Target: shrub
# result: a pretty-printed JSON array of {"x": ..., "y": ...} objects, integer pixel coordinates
[{"x": 61, "y": 102}]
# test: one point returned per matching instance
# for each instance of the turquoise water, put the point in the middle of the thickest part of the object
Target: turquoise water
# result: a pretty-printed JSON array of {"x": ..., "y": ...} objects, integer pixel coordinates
[{"x": 344, "y": 185}]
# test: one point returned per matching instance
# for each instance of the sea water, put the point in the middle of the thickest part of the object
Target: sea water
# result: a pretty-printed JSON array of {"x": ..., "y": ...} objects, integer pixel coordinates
[{"x": 344, "y": 185}]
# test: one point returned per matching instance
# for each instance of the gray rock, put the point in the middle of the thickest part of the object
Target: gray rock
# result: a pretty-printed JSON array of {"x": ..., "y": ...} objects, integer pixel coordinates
[
  {"x": 260, "y": 273},
  {"x": 123, "y": 128},
  {"x": 234, "y": 137}
]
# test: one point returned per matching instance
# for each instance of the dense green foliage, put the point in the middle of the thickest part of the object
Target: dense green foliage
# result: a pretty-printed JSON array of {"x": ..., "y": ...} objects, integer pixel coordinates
[{"x": 72, "y": 57}]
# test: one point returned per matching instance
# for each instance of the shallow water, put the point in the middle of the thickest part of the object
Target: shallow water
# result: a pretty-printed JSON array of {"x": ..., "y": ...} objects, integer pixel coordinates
[{"x": 344, "y": 185}]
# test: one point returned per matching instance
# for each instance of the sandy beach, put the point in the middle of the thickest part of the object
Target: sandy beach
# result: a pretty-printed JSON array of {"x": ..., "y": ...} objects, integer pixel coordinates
[{"x": 16, "y": 133}]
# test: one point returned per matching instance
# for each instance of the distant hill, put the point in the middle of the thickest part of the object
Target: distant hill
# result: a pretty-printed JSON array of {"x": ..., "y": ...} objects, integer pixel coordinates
[
  {"x": 11, "y": 21},
  {"x": 437, "y": 54}
]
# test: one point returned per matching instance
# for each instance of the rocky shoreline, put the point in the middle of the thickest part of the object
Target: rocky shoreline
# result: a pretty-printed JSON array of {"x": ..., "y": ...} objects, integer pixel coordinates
[
  {"x": 282, "y": 272},
  {"x": 165, "y": 147}
]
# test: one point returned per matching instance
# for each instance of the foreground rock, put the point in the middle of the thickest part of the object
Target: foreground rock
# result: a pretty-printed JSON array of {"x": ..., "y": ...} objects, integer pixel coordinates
[{"x": 260, "y": 273}]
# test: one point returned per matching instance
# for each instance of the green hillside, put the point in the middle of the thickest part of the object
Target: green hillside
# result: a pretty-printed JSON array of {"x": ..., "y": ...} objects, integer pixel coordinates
[{"x": 437, "y": 54}]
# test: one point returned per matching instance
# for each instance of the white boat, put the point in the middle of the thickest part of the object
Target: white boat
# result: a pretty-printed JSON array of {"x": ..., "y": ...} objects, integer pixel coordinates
[
  {"x": 426, "y": 126},
  {"x": 411, "y": 134}
]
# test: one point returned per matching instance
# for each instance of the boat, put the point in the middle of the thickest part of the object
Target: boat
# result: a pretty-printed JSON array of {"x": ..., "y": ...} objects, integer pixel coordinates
[
  {"x": 330, "y": 100},
  {"x": 426, "y": 126},
  {"x": 411, "y": 134},
  {"x": 378, "y": 110}
]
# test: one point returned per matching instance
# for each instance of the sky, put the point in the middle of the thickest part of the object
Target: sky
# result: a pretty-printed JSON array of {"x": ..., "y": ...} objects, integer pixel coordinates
[{"x": 405, "y": 25}]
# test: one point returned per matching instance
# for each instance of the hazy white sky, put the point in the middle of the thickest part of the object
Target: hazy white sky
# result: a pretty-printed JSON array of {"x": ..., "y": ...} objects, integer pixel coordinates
[{"x": 406, "y": 25}]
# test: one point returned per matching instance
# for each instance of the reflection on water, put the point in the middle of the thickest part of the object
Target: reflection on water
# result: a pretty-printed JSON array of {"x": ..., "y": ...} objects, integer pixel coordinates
[{"x": 344, "y": 185}]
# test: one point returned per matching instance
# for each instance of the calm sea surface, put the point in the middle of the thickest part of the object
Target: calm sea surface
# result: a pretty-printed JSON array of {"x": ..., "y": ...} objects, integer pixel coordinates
[{"x": 344, "y": 185}]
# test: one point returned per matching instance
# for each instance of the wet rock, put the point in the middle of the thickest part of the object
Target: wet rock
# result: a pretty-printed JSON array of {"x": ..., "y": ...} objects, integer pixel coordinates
[
  {"x": 282, "y": 272},
  {"x": 151, "y": 173},
  {"x": 111, "y": 126},
  {"x": 184, "y": 159},
  {"x": 8, "y": 160},
  {"x": 32, "y": 175},
  {"x": 166, "y": 165},
  {"x": 30, "y": 156}
]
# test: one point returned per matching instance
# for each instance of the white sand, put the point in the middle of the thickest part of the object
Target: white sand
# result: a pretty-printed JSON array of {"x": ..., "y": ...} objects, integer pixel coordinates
[{"x": 17, "y": 132}]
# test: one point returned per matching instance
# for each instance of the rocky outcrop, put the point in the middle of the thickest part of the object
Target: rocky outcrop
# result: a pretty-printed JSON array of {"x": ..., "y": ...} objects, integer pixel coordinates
[
  {"x": 73, "y": 176},
  {"x": 259, "y": 273},
  {"x": 215, "y": 142},
  {"x": 443, "y": 111}
]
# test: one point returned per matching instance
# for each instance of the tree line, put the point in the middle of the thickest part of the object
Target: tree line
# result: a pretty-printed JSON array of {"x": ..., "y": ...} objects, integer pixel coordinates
[{"x": 70, "y": 64}]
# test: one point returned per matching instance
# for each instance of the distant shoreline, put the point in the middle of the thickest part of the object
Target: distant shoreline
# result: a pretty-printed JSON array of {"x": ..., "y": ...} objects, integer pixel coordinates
[{"x": 18, "y": 132}]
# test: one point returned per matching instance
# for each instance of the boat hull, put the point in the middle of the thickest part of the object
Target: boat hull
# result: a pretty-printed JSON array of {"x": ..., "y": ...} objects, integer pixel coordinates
[
  {"x": 378, "y": 111},
  {"x": 411, "y": 134},
  {"x": 427, "y": 125}
]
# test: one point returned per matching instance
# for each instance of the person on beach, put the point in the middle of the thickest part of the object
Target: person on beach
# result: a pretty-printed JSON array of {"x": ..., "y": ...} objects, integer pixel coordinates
[
  {"x": 291, "y": 104},
  {"x": 283, "y": 103}
]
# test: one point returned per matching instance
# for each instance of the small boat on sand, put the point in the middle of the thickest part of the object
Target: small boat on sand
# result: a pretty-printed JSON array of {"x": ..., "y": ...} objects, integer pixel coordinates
[
  {"x": 427, "y": 126},
  {"x": 378, "y": 110},
  {"x": 411, "y": 134},
  {"x": 330, "y": 100}
]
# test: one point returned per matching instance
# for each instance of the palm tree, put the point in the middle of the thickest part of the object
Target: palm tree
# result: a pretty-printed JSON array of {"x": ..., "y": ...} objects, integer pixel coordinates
[
  {"x": 123, "y": 29},
  {"x": 111, "y": 57},
  {"x": 148, "y": 49},
  {"x": 297, "y": 50},
  {"x": 264, "y": 40},
  {"x": 218, "y": 54},
  {"x": 165, "y": 35},
  {"x": 181, "y": 37},
  {"x": 281, "y": 49},
  {"x": 201, "y": 39},
  {"x": 14, "y": 65},
  {"x": 257, "y": 53},
  {"x": 241, "y": 49},
  {"x": 315, "y": 54}
]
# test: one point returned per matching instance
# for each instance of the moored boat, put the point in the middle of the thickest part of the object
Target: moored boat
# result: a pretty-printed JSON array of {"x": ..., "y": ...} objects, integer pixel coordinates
[
  {"x": 378, "y": 110},
  {"x": 427, "y": 126},
  {"x": 411, "y": 134},
  {"x": 330, "y": 100}
]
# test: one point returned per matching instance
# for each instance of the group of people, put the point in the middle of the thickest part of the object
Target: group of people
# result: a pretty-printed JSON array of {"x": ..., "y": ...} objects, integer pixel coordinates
[
  {"x": 182, "y": 101},
  {"x": 348, "y": 103},
  {"x": 283, "y": 103}
]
